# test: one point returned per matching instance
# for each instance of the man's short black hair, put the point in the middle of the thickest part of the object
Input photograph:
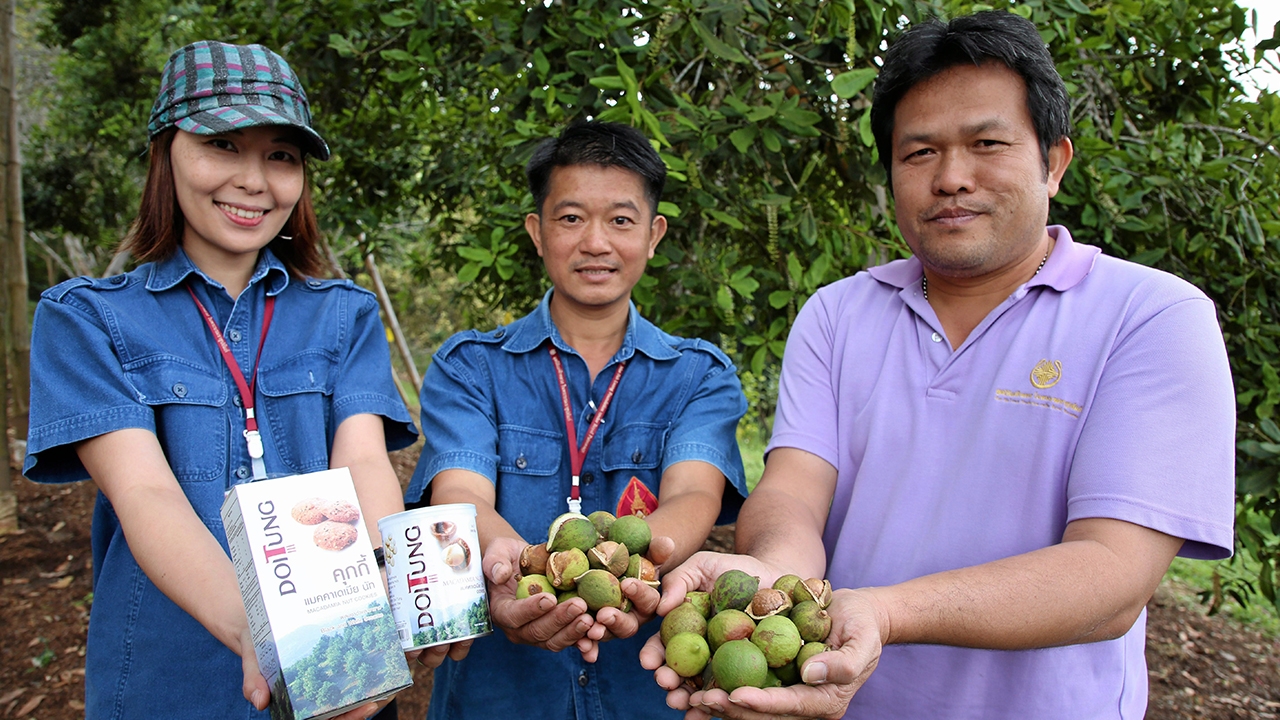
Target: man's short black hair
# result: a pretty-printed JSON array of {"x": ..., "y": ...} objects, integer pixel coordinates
[
  {"x": 597, "y": 143},
  {"x": 933, "y": 46}
]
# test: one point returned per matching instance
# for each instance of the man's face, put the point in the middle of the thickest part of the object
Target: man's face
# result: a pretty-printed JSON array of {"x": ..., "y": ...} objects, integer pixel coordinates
[
  {"x": 969, "y": 182},
  {"x": 595, "y": 234}
]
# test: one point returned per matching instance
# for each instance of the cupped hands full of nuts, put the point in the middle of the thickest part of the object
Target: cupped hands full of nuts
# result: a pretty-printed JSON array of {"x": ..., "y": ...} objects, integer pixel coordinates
[
  {"x": 740, "y": 634},
  {"x": 586, "y": 557}
]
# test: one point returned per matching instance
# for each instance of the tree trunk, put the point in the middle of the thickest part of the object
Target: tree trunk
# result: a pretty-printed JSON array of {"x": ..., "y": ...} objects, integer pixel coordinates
[{"x": 10, "y": 235}]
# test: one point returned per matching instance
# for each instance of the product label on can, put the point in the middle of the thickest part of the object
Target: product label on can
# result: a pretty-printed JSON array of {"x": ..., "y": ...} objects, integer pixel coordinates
[{"x": 436, "y": 584}]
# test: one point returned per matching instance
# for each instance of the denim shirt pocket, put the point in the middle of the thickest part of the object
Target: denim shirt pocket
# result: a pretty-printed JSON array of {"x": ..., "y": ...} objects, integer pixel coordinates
[
  {"x": 299, "y": 408},
  {"x": 636, "y": 447},
  {"x": 191, "y": 422},
  {"x": 529, "y": 479}
]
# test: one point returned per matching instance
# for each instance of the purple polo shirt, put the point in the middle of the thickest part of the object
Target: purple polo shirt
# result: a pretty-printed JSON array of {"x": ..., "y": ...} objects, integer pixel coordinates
[{"x": 1098, "y": 389}]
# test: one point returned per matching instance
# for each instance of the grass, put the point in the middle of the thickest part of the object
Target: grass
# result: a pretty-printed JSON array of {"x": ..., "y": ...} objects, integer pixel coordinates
[
  {"x": 752, "y": 450},
  {"x": 1198, "y": 575}
]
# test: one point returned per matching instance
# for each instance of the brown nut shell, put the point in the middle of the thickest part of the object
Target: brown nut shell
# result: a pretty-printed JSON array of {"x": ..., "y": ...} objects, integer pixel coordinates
[{"x": 533, "y": 559}]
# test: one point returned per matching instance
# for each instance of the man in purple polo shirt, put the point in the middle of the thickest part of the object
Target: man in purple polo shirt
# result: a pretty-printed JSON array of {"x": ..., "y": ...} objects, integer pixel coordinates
[{"x": 994, "y": 448}]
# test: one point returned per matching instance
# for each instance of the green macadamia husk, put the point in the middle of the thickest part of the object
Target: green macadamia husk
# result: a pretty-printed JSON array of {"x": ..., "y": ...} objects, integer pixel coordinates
[{"x": 688, "y": 654}]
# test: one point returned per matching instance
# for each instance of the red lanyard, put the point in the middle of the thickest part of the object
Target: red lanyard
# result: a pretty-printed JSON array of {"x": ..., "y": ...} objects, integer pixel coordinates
[
  {"x": 578, "y": 455},
  {"x": 251, "y": 435}
]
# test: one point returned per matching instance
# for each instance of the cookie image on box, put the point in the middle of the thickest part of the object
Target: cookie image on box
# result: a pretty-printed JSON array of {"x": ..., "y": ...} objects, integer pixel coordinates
[
  {"x": 309, "y": 511},
  {"x": 330, "y": 535},
  {"x": 341, "y": 511}
]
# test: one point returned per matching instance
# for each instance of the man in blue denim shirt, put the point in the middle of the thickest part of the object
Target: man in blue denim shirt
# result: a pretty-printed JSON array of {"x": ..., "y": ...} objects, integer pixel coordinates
[{"x": 494, "y": 423}]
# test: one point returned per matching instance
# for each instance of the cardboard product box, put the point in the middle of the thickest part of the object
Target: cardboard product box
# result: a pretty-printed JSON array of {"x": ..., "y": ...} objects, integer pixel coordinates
[{"x": 322, "y": 626}]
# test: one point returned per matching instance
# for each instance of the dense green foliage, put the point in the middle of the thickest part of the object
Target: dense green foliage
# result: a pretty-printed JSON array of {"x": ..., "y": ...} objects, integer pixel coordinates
[
  {"x": 344, "y": 668},
  {"x": 759, "y": 108}
]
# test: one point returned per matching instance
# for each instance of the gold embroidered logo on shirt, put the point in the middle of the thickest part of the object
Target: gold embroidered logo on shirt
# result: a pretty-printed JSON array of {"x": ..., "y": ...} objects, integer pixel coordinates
[{"x": 1046, "y": 374}]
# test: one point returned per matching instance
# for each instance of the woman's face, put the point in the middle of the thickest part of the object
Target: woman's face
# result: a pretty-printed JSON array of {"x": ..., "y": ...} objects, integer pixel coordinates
[{"x": 236, "y": 191}]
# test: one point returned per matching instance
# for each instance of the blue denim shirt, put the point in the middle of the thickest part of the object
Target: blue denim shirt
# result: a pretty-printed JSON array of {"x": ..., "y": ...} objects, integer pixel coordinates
[
  {"x": 132, "y": 351},
  {"x": 491, "y": 404}
]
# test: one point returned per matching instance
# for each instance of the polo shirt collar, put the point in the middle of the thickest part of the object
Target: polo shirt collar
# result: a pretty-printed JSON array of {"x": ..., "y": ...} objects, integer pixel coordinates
[
  {"x": 1068, "y": 264},
  {"x": 641, "y": 335},
  {"x": 175, "y": 269}
]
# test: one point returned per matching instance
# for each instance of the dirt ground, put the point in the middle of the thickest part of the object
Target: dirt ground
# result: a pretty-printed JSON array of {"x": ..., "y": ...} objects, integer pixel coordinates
[{"x": 1200, "y": 667}]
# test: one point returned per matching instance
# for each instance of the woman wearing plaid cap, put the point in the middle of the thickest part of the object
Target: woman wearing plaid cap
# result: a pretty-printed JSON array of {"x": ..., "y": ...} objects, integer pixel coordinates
[{"x": 129, "y": 386}]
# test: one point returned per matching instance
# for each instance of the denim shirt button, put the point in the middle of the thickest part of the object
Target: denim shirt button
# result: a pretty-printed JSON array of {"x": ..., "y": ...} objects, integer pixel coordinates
[
  {"x": 637, "y": 456},
  {"x": 234, "y": 336},
  {"x": 180, "y": 390},
  {"x": 582, "y": 679},
  {"x": 587, "y": 478},
  {"x": 235, "y": 400},
  {"x": 497, "y": 334},
  {"x": 314, "y": 283},
  {"x": 521, "y": 463},
  {"x": 117, "y": 279},
  {"x": 242, "y": 472}
]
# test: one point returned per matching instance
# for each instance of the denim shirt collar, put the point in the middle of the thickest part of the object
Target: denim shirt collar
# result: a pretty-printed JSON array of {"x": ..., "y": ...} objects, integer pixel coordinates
[
  {"x": 538, "y": 327},
  {"x": 175, "y": 269}
]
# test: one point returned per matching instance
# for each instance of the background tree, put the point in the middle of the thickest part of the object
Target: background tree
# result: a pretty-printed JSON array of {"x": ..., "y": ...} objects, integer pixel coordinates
[{"x": 760, "y": 110}]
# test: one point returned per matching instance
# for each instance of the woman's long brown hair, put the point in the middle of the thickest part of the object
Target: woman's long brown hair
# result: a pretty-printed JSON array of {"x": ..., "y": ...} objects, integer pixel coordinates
[{"x": 156, "y": 232}]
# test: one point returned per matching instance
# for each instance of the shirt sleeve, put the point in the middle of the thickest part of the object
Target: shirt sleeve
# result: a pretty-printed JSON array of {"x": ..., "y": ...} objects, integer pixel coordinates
[
  {"x": 78, "y": 389},
  {"x": 459, "y": 424},
  {"x": 806, "y": 416},
  {"x": 1158, "y": 444},
  {"x": 706, "y": 429},
  {"x": 365, "y": 384}
]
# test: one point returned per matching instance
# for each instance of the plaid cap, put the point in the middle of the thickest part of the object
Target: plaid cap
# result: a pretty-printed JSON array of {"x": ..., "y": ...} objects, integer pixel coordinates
[{"x": 211, "y": 87}]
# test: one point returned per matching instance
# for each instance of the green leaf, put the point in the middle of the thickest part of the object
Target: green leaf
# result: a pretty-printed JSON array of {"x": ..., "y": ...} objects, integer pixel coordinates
[
  {"x": 1269, "y": 427},
  {"x": 726, "y": 218},
  {"x": 724, "y": 299},
  {"x": 772, "y": 141},
  {"x": 403, "y": 17},
  {"x": 468, "y": 273},
  {"x": 608, "y": 82},
  {"x": 746, "y": 287},
  {"x": 340, "y": 43},
  {"x": 762, "y": 112},
  {"x": 742, "y": 138},
  {"x": 757, "y": 360},
  {"x": 1078, "y": 7},
  {"x": 404, "y": 75},
  {"x": 1149, "y": 257},
  {"x": 864, "y": 128},
  {"x": 475, "y": 254},
  {"x": 798, "y": 115},
  {"x": 396, "y": 56},
  {"x": 736, "y": 104},
  {"x": 540, "y": 63},
  {"x": 846, "y": 85},
  {"x": 778, "y": 299},
  {"x": 628, "y": 75},
  {"x": 794, "y": 269},
  {"x": 669, "y": 209},
  {"x": 717, "y": 46},
  {"x": 777, "y": 347}
]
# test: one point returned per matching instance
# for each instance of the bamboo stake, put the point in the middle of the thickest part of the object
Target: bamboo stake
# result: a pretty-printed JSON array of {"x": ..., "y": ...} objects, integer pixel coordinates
[{"x": 385, "y": 300}]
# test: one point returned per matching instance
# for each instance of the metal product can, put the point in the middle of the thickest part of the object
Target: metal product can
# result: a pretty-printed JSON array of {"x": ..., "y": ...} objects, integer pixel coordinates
[{"x": 434, "y": 580}]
